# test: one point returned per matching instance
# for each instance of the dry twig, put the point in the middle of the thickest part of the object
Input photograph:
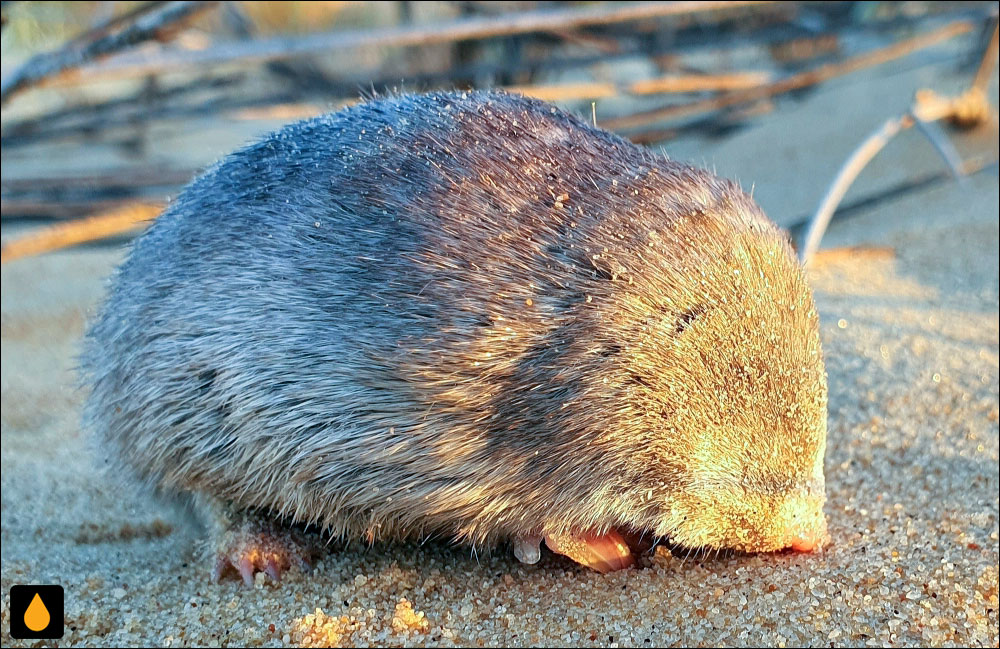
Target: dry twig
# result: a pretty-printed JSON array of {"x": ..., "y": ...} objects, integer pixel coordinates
[
  {"x": 81, "y": 50},
  {"x": 89, "y": 229},
  {"x": 928, "y": 108}
]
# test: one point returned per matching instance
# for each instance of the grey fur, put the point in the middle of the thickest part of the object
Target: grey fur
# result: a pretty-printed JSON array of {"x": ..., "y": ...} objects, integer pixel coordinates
[{"x": 473, "y": 315}]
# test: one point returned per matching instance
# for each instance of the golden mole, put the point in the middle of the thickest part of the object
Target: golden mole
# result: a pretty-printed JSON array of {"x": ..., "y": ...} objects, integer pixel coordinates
[{"x": 470, "y": 316}]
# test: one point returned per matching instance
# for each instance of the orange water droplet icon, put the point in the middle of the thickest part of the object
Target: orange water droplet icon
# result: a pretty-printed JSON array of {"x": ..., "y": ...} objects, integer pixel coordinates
[{"x": 36, "y": 617}]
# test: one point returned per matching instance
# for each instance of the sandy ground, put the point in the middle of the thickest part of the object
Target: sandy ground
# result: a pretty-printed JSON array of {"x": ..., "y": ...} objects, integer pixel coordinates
[{"x": 910, "y": 333}]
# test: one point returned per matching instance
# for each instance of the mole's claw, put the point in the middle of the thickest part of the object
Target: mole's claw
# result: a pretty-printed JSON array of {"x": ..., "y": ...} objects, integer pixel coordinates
[
  {"x": 251, "y": 546},
  {"x": 221, "y": 563},
  {"x": 527, "y": 550},
  {"x": 246, "y": 571},
  {"x": 273, "y": 570}
]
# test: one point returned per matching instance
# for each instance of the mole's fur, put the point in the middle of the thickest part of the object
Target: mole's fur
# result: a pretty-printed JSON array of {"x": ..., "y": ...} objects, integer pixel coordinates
[{"x": 469, "y": 315}]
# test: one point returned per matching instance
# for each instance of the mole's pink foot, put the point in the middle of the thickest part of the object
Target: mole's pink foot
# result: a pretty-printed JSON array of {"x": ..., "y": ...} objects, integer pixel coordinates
[
  {"x": 252, "y": 546},
  {"x": 603, "y": 552}
]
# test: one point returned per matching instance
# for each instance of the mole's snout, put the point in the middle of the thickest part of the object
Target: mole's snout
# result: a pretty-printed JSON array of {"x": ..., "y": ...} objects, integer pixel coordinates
[
  {"x": 809, "y": 537},
  {"x": 805, "y": 524}
]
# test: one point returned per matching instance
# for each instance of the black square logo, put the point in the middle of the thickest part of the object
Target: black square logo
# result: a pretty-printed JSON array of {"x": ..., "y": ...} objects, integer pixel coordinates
[{"x": 36, "y": 612}]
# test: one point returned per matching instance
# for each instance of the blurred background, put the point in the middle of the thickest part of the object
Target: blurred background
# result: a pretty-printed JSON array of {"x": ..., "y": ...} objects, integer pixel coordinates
[{"x": 109, "y": 108}]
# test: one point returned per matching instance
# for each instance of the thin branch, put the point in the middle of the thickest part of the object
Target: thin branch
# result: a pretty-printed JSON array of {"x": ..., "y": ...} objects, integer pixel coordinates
[
  {"x": 599, "y": 43},
  {"x": 928, "y": 108},
  {"x": 848, "y": 172},
  {"x": 112, "y": 23},
  {"x": 30, "y": 208},
  {"x": 849, "y": 208},
  {"x": 567, "y": 91},
  {"x": 988, "y": 64},
  {"x": 686, "y": 83},
  {"x": 700, "y": 83},
  {"x": 41, "y": 67},
  {"x": 853, "y": 253},
  {"x": 89, "y": 229},
  {"x": 942, "y": 145}
]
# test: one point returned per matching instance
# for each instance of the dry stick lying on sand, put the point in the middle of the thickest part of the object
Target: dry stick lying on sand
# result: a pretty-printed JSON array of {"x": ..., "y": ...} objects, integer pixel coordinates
[
  {"x": 969, "y": 108},
  {"x": 112, "y": 23},
  {"x": 89, "y": 229},
  {"x": 726, "y": 118},
  {"x": 44, "y": 66},
  {"x": 68, "y": 209},
  {"x": 853, "y": 253},
  {"x": 986, "y": 66},
  {"x": 675, "y": 83},
  {"x": 136, "y": 64},
  {"x": 599, "y": 43},
  {"x": 793, "y": 82}
]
